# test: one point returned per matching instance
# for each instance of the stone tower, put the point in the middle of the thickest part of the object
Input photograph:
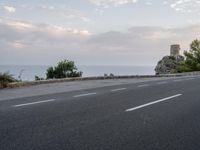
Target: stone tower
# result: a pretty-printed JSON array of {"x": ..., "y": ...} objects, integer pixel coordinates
[{"x": 175, "y": 50}]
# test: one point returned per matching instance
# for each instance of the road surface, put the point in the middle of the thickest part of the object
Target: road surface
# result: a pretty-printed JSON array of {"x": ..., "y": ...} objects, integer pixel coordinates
[{"x": 151, "y": 115}]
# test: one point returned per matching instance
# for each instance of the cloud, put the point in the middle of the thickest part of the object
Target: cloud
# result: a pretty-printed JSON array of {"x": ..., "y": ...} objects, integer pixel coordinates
[
  {"x": 185, "y": 6},
  {"x": 165, "y": 2},
  {"x": 99, "y": 11},
  {"x": 9, "y": 9},
  {"x": 63, "y": 11},
  {"x": 59, "y": 11},
  {"x": 29, "y": 43},
  {"x": 28, "y": 27},
  {"x": 148, "y": 2},
  {"x": 24, "y": 42},
  {"x": 107, "y": 3},
  {"x": 17, "y": 44}
]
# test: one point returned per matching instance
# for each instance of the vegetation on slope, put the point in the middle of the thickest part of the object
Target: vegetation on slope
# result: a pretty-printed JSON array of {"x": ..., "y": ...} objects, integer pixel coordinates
[
  {"x": 5, "y": 79},
  {"x": 179, "y": 64},
  {"x": 192, "y": 58}
]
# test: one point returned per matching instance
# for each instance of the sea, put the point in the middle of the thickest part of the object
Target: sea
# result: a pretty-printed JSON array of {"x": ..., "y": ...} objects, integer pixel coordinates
[{"x": 28, "y": 73}]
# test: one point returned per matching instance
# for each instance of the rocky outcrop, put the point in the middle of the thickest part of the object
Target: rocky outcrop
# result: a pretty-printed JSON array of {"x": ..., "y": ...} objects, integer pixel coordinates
[{"x": 169, "y": 64}]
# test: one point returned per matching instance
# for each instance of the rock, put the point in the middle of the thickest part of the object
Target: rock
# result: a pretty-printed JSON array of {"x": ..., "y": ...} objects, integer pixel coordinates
[{"x": 169, "y": 64}]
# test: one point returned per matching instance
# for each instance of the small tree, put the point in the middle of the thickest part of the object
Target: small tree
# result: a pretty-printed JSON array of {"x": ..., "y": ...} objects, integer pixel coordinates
[
  {"x": 50, "y": 73},
  {"x": 37, "y": 78},
  {"x": 6, "y": 78},
  {"x": 192, "y": 61},
  {"x": 63, "y": 69}
]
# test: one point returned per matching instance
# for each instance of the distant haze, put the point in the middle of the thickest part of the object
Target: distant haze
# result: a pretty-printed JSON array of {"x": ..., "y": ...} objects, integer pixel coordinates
[{"x": 95, "y": 32}]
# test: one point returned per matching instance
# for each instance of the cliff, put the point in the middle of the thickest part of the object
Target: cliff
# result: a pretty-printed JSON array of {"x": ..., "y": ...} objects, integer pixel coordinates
[{"x": 169, "y": 64}]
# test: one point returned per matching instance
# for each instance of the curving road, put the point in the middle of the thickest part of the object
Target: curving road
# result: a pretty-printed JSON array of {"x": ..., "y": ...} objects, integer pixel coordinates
[{"x": 151, "y": 115}]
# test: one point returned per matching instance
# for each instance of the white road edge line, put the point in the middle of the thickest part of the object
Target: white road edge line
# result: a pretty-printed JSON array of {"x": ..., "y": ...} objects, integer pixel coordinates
[
  {"x": 144, "y": 85},
  {"x": 121, "y": 89},
  {"x": 151, "y": 103},
  {"x": 88, "y": 94},
  {"x": 33, "y": 103}
]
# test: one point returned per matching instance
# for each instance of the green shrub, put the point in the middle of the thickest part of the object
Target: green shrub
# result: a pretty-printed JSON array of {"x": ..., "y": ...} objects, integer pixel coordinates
[
  {"x": 64, "y": 69},
  {"x": 184, "y": 68},
  {"x": 6, "y": 78},
  {"x": 37, "y": 78},
  {"x": 50, "y": 73}
]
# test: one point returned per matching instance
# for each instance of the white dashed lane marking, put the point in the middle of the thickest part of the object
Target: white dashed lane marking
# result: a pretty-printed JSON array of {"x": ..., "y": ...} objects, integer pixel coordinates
[
  {"x": 87, "y": 94},
  {"x": 115, "y": 90},
  {"x": 154, "y": 102},
  {"x": 33, "y": 103},
  {"x": 143, "y": 85}
]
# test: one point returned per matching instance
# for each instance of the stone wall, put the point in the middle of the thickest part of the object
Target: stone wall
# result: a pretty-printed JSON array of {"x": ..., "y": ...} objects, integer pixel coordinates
[{"x": 31, "y": 83}]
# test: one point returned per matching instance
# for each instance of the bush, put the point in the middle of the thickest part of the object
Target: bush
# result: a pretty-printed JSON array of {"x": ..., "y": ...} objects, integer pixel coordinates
[
  {"x": 6, "y": 78},
  {"x": 64, "y": 69},
  {"x": 50, "y": 73},
  {"x": 184, "y": 68},
  {"x": 37, "y": 78}
]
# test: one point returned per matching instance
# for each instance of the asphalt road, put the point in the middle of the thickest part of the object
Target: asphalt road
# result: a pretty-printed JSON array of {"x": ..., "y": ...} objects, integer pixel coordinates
[{"x": 154, "y": 115}]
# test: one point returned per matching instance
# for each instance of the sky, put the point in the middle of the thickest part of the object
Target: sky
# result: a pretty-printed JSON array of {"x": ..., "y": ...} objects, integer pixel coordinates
[{"x": 95, "y": 32}]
